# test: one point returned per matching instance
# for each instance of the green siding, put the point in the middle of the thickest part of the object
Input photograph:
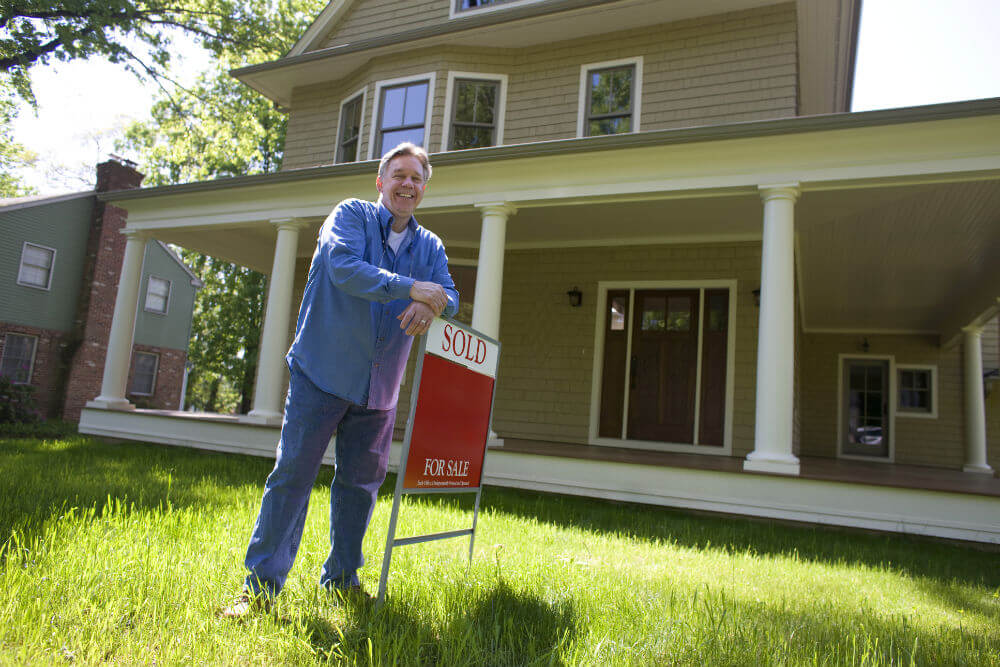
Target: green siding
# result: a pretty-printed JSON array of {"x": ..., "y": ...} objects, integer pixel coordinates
[
  {"x": 63, "y": 226},
  {"x": 173, "y": 329}
]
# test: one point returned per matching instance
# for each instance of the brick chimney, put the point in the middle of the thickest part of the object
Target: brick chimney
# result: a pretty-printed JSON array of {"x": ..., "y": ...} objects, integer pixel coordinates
[{"x": 87, "y": 346}]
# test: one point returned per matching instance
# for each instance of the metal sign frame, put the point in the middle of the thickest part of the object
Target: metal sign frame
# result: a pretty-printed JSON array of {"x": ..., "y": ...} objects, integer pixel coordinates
[{"x": 391, "y": 541}]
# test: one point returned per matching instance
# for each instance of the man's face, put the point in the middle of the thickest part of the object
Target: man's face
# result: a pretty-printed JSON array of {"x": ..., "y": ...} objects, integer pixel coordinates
[{"x": 402, "y": 186}]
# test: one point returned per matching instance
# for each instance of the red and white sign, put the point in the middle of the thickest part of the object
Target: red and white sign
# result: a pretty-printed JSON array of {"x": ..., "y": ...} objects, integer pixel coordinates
[{"x": 451, "y": 422}]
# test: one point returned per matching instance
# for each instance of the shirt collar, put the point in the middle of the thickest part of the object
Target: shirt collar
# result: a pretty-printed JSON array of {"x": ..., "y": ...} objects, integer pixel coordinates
[{"x": 385, "y": 220}]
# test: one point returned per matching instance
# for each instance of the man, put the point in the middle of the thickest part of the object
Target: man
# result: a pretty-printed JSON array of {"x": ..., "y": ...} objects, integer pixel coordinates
[{"x": 377, "y": 279}]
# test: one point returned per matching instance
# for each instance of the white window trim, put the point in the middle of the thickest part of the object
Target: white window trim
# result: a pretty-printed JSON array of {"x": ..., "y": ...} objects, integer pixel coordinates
[
  {"x": 34, "y": 351},
  {"x": 455, "y": 13},
  {"x": 597, "y": 371},
  {"x": 449, "y": 97},
  {"x": 581, "y": 116},
  {"x": 52, "y": 269},
  {"x": 166, "y": 305},
  {"x": 891, "y": 457},
  {"x": 363, "y": 93},
  {"x": 156, "y": 372},
  {"x": 933, "y": 414},
  {"x": 430, "y": 77}
]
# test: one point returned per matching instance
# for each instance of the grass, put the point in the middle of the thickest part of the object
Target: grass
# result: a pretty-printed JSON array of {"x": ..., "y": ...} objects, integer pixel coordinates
[{"x": 122, "y": 553}]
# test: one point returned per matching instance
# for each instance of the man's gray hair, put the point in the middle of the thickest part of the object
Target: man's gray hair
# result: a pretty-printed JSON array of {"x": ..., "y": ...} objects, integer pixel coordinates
[{"x": 406, "y": 148}]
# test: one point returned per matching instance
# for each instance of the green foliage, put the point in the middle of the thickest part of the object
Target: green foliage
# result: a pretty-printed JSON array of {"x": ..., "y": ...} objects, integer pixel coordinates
[
  {"x": 13, "y": 156},
  {"x": 122, "y": 553},
  {"x": 50, "y": 428},
  {"x": 17, "y": 403}
]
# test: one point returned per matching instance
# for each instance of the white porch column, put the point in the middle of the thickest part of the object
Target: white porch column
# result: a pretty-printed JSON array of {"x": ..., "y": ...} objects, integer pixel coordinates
[
  {"x": 119, "y": 354},
  {"x": 274, "y": 332},
  {"x": 975, "y": 407},
  {"x": 489, "y": 273},
  {"x": 776, "y": 336}
]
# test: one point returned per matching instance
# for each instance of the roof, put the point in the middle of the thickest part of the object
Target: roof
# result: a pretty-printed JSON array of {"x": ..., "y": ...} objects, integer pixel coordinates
[
  {"x": 195, "y": 280},
  {"x": 16, "y": 203}
]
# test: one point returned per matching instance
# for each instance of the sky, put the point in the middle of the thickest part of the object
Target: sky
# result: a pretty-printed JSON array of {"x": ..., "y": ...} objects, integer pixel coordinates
[{"x": 910, "y": 52}]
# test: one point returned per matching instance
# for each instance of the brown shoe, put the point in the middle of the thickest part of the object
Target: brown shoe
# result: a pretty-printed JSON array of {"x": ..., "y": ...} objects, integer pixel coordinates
[{"x": 246, "y": 605}]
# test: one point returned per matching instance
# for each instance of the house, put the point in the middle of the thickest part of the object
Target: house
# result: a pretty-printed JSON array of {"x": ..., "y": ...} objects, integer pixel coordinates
[
  {"x": 715, "y": 287},
  {"x": 61, "y": 258}
]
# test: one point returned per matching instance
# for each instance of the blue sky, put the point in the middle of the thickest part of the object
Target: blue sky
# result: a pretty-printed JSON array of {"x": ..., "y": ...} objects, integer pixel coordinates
[{"x": 911, "y": 52}]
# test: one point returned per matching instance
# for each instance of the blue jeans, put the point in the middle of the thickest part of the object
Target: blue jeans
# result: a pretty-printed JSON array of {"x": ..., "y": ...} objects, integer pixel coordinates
[{"x": 362, "y": 456}]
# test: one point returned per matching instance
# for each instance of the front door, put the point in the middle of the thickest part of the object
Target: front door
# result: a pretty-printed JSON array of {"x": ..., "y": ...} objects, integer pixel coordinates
[
  {"x": 865, "y": 408},
  {"x": 663, "y": 365}
]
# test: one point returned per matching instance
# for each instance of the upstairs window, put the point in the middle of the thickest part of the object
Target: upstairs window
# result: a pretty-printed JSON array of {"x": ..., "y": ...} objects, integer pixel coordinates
[
  {"x": 475, "y": 104},
  {"x": 144, "y": 373},
  {"x": 402, "y": 113},
  {"x": 349, "y": 136},
  {"x": 459, "y": 7},
  {"x": 157, "y": 295},
  {"x": 609, "y": 97},
  {"x": 36, "y": 266},
  {"x": 18, "y": 358}
]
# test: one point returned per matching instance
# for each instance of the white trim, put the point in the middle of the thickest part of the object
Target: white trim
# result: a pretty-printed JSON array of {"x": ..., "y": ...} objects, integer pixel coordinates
[
  {"x": 363, "y": 93},
  {"x": 636, "y": 91},
  {"x": 166, "y": 304},
  {"x": 52, "y": 266},
  {"x": 933, "y": 414},
  {"x": 34, "y": 351},
  {"x": 449, "y": 97},
  {"x": 891, "y": 457},
  {"x": 597, "y": 369},
  {"x": 156, "y": 372},
  {"x": 872, "y": 332},
  {"x": 628, "y": 359},
  {"x": 430, "y": 77},
  {"x": 455, "y": 13}
]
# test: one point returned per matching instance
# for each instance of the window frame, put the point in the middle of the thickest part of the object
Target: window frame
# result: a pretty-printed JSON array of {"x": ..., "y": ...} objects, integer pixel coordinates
[
  {"x": 499, "y": 114},
  {"x": 455, "y": 10},
  {"x": 430, "y": 78},
  {"x": 52, "y": 266},
  {"x": 156, "y": 372},
  {"x": 34, "y": 353},
  {"x": 583, "y": 110},
  {"x": 166, "y": 302},
  {"x": 363, "y": 94},
  {"x": 932, "y": 385}
]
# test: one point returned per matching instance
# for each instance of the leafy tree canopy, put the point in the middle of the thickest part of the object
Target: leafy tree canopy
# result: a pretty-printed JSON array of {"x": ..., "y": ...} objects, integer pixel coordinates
[{"x": 13, "y": 156}]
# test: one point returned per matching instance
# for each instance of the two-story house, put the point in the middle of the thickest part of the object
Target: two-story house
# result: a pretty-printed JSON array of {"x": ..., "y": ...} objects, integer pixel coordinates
[
  {"x": 714, "y": 285},
  {"x": 60, "y": 257}
]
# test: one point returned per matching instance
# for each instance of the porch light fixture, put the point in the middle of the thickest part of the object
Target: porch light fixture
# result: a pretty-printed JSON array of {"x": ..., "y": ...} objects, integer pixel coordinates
[
  {"x": 575, "y": 297},
  {"x": 865, "y": 345},
  {"x": 756, "y": 297}
]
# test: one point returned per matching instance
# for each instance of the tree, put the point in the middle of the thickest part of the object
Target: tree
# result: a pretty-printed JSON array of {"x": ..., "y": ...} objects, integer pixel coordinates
[
  {"x": 219, "y": 127},
  {"x": 136, "y": 33},
  {"x": 13, "y": 155}
]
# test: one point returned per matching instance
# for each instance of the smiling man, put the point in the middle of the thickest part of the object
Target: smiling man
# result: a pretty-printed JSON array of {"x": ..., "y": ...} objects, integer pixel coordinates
[{"x": 377, "y": 279}]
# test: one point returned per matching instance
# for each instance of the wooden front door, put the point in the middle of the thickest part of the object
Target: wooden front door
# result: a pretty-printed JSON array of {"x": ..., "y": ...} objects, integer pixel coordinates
[{"x": 664, "y": 362}]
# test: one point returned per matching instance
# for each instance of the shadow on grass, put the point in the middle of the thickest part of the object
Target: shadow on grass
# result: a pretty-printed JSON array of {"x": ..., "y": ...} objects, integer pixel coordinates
[{"x": 497, "y": 627}]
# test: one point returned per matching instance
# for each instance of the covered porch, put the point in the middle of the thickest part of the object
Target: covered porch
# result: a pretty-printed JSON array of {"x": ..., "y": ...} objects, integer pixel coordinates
[{"x": 861, "y": 235}]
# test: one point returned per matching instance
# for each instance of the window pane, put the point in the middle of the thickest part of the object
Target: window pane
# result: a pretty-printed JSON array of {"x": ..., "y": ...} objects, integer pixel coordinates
[
  {"x": 621, "y": 91},
  {"x": 392, "y": 139},
  {"x": 618, "y": 314},
  {"x": 465, "y": 102},
  {"x": 486, "y": 94},
  {"x": 679, "y": 313},
  {"x": 393, "y": 101},
  {"x": 921, "y": 379},
  {"x": 17, "y": 353},
  {"x": 471, "y": 137},
  {"x": 32, "y": 275},
  {"x": 143, "y": 379},
  {"x": 416, "y": 101},
  {"x": 157, "y": 294},
  {"x": 37, "y": 256},
  {"x": 610, "y": 126},
  {"x": 654, "y": 314},
  {"x": 600, "y": 93},
  {"x": 718, "y": 311}
]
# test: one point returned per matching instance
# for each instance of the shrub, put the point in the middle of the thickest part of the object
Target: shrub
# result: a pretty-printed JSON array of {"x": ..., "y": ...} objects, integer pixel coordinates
[{"x": 17, "y": 403}]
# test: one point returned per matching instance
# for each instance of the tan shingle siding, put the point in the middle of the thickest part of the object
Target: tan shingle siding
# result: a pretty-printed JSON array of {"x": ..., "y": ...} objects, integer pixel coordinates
[{"x": 717, "y": 69}]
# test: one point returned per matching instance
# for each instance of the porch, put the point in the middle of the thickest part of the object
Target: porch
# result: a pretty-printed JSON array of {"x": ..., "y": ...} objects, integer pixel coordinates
[{"x": 875, "y": 496}]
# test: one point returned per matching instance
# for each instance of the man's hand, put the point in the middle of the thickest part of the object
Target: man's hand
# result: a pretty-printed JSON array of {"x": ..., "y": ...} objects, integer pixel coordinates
[
  {"x": 431, "y": 294},
  {"x": 417, "y": 318}
]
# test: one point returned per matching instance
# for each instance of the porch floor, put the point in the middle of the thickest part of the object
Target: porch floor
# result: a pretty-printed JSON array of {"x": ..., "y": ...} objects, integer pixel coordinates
[{"x": 811, "y": 467}]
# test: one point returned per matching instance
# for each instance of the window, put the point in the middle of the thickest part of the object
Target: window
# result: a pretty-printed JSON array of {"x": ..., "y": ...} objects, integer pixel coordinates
[
  {"x": 157, "y": 295},
  {"x": 18, "y": 358},
  {"x": 459, "y": 7},
  {"x": 144, "y": 373},
  {"x": 36, "y": 266},
  {"x": 475, "y": 104},
  {"x": 916, "y": 391},
  {"x": 401, "y": 113},
  {"x": 349, "y": 136},
  {"x": 610, "y": 94}
]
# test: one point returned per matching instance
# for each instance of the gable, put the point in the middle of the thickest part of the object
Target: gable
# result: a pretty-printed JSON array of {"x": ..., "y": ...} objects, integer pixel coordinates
[{"x": 346, "y": 21}]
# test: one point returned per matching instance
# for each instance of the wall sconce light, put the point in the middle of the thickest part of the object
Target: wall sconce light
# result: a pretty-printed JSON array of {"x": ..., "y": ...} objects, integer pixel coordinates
[
  {"x": 575, "y": 297},
  {"x": 865, "y": 345},
  {"x": 756, "y": 297}
]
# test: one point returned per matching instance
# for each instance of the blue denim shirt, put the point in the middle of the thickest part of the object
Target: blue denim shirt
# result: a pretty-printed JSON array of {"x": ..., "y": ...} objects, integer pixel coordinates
[{"x": 347, "y": 339}]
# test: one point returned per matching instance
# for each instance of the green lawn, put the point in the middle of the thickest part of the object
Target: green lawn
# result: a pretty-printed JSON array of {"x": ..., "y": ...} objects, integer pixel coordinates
[{"x": 122, "y": 553}]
